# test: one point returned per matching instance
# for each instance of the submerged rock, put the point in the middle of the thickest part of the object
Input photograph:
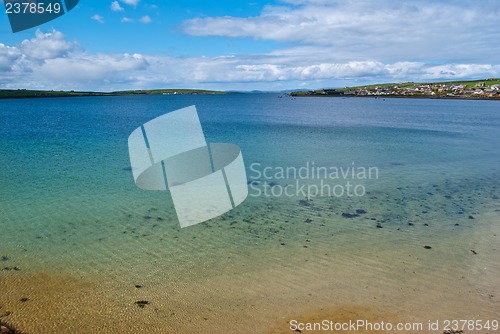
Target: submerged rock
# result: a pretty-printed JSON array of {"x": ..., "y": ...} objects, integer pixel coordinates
[
  {"x": 349, "y": 215},
  {"x": 304, "y": 202},
  {"x": 15, "y": 268},
  {"x": 142, "y": 303},
  {"x": 427, "y": 247},
  {"x": 360, "y": 211}
]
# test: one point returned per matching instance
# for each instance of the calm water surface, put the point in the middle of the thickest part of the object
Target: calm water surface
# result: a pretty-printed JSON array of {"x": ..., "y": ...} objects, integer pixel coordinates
[{"x": 69, "y": 204}]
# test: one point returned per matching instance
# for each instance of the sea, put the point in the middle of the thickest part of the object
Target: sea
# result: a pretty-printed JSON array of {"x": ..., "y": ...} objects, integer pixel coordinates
[{"x": 363, "y": 210}]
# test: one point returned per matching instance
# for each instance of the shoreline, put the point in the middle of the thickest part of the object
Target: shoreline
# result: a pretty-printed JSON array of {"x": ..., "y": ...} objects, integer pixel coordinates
[
  {"x": 383, "y": 97},
  {"x": 484, "y": 89},
  {"x": 6, "y": 94},
  {"x": 406, "y": 97}
]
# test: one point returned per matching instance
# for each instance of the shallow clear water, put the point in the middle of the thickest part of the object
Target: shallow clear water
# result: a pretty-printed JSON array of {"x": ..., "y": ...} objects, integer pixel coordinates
[{"x": 69, "y": 204}]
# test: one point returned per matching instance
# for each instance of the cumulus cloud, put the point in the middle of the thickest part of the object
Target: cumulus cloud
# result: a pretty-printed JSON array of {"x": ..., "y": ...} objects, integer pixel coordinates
[
  {"x": 50, "y": 61},
  {"x": 145, "y": 19},
  {"x": 115, "y": 7},
  {"x": 385, "y": 30},
  {"x": 266, "y": 72},
  {"x": 46, "y": 46},
  {"x": 451, "y": 71},
  {"x": 131, "y": 2},
  {"x": 85, "y": 68},
  {"x": 127, "y": 20},
  {"x": 97, "y": 18},
  {"x": 8, "y": 56}
]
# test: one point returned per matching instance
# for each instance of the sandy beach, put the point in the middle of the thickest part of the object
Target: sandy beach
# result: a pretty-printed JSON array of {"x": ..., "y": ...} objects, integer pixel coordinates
[{"x": 263, "y": 290}]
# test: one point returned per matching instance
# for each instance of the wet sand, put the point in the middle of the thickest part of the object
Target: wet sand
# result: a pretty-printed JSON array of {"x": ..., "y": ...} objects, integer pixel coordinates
[{"x": 263, "y": 290}]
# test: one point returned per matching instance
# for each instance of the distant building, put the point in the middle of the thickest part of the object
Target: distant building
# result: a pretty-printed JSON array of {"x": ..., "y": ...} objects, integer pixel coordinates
[{"x": 331, "y": 92}]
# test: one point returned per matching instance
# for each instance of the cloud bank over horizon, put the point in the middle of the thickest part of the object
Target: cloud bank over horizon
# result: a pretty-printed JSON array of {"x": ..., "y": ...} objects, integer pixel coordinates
[{"x": 327, "y": 44}]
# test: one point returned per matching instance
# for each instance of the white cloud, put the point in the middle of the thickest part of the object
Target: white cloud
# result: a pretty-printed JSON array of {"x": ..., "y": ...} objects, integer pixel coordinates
[
  {"x": 131, "y": 2},
  {"x": 87, "y": 68},
  {"x": 50, "y": 61},
  {"x": 97, "y": 18},
  {"x": 8, "y": 56},
  {"x": 46, "y": 46},
  {"x": 384, "y": 30},
  {"x": 145, "y": 19},
  {"x": 115, "y": 7},
  {"x": 451, "y": 71}
]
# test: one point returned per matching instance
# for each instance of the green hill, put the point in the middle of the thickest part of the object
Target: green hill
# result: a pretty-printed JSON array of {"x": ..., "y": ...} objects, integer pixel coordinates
[
  {"x": 25, "y": 93},
  {"x": 470, "y": 89}
]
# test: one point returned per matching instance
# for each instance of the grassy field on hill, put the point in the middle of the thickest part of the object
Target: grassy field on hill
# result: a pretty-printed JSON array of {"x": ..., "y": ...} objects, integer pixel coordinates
[{"x": 25, "y": 93}]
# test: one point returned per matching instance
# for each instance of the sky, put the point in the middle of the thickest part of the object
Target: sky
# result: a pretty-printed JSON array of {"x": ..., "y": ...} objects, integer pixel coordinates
[{"x": 107, "y": 45}]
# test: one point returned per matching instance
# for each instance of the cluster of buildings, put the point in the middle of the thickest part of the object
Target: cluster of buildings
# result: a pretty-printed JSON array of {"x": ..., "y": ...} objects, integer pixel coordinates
[{"x": 482, "y": 89}]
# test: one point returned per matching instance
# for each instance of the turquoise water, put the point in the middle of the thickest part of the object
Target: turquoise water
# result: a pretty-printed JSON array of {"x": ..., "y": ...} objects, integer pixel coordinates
[{"x": 69, "y": 203}]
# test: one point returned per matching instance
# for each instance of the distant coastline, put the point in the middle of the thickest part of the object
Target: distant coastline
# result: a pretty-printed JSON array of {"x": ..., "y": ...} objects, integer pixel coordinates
[
  {"x": 487, "y": 89},
  {"x": 26, "y": 93}
]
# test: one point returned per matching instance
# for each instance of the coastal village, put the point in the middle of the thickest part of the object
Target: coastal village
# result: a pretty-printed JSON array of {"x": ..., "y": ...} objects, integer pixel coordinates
[{"x": 486, "y": 89}]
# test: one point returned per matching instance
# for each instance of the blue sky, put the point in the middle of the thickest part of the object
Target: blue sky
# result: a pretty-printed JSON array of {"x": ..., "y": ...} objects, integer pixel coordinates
[{"x": 270, "y": 45}]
